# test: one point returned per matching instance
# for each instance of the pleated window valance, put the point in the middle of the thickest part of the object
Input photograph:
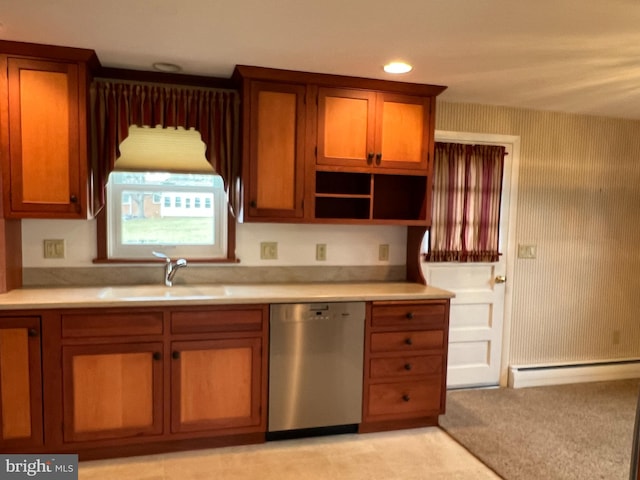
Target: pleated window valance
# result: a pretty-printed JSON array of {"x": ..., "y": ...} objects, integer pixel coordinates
[{"x": 117, "y": 105}]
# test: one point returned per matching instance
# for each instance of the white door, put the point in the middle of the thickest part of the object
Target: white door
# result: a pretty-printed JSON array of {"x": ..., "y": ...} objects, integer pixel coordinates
[{"x": 477, "y": 332}]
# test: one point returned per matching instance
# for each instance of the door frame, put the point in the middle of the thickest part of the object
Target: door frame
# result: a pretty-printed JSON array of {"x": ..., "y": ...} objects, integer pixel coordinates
[{"x": 511, "y": 244}]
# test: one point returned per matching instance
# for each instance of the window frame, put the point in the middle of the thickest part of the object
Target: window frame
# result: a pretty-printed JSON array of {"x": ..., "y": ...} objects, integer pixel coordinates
[{"x": 104, "y": 217}]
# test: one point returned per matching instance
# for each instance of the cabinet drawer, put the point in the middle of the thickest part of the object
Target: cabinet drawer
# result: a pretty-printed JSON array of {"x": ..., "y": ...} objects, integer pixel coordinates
[
  {"x": 406, "y": 366},
  {"x": 409, "y": 314},
  {"x": 78, "y": 325},
  {"x": 211, "y": 321},
  {"x": 407, "y": 341},
  {"x": 405, "y": 398}
]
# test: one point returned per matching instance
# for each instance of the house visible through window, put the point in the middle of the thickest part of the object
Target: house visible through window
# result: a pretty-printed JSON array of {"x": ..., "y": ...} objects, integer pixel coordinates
[{"x": 149, "y": 211}]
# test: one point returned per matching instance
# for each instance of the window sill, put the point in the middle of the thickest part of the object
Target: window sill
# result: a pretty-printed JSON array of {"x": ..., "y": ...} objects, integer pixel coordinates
[{"x": 121, "y": 261}]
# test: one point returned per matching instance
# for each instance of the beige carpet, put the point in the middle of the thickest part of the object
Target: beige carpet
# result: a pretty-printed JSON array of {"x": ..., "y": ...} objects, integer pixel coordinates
[
  {"x": 565, "y": 432},
  {"x": 419, "y": 454}
]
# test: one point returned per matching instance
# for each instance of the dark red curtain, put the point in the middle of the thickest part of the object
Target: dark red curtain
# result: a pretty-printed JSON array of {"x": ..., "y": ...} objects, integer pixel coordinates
[
  {"x": 212, "y": 112},
  {"x": 467, "y": 191}
]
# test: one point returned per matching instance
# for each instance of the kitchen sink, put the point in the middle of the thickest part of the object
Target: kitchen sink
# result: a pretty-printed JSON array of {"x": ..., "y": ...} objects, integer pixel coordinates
[{"x": 159, "y": 292}]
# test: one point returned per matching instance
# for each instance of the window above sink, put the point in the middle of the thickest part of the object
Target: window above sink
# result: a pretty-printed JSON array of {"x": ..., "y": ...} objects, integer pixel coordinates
[{"x": 182, "y": 214}]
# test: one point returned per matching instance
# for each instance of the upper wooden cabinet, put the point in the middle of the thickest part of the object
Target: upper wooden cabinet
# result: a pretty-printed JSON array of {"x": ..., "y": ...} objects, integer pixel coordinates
[
  {"x": 43, "y": 126},
  {"x": 331, "y": 149},
  {"x": 359, "y": 128},
  {"x": 274, "y": 149}
]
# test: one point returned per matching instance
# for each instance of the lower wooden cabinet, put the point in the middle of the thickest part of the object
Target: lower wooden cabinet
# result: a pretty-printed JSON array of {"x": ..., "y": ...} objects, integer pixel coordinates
[
  {"x": 116, "y": 381},
  {"x": 161, "y": 376},
  {"x": 215, "y": 384},
  {"x": 112, "y": 391},
  {"x": 405, "y": 364},
  {"x": 20, "y": 383}
]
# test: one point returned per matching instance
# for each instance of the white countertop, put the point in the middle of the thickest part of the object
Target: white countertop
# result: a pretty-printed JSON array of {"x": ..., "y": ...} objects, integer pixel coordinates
[{"x": 154, "y": 295}]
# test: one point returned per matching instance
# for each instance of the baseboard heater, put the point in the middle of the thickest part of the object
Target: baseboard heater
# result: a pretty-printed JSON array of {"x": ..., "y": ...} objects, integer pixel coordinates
[{"x": 540, "y": 375}]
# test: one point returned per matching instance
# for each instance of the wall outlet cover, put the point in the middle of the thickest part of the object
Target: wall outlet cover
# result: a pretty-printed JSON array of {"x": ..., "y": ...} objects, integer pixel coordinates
[
  {"x": 268, "y": 250},
  {"x": 53, "y": 248},
  {"x": 526, "y": 251},
  {"x": 383, "y": 252}
]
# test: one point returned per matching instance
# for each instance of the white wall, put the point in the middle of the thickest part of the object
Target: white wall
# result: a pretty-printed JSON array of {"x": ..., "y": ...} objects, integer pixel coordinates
[
  {"x": 578, "y": 196},
  {"x": 347, "y": 245}
]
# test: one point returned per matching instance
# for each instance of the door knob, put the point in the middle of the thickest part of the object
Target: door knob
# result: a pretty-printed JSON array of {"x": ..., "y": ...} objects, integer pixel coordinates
[{"x": 501, "y": 279}]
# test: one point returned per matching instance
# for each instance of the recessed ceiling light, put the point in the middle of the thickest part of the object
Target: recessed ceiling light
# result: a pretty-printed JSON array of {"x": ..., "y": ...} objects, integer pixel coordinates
[
  {"x": 167, "y": 67},
  {"x": 397, "y": 67}
]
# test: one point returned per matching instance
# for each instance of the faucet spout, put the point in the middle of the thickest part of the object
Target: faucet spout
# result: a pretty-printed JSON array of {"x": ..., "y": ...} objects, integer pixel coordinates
[{"x": 170, "y": 267}]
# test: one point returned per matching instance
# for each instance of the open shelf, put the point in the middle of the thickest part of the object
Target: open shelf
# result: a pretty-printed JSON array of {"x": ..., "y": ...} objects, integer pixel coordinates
[
  {"x": 341, "y": 183},
  {"x": 367, "y": 196},
  {"x": 399, "y": 197},
  {"x": 334, "y": 207}
]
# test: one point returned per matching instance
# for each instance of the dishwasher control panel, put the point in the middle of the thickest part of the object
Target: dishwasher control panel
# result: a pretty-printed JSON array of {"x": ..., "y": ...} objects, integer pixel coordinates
[{"x": 295, "y": 312}]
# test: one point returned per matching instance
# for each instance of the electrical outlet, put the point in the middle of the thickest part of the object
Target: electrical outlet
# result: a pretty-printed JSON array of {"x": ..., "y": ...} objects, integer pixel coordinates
[
  {"x": 53, "y": 248},
  {"x": 269, "y": 251},
  {"x": 321, "y": 252},
  {"x": 383, "y": 252},
  {"x": 526, "y": 251}
]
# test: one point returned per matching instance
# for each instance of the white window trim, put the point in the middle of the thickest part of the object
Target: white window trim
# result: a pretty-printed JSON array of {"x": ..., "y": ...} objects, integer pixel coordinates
[{"x": 115, "y": 250}]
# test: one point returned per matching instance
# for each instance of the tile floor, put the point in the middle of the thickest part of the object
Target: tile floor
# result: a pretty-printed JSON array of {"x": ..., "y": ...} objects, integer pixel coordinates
[{"x": 425, "y": 453}]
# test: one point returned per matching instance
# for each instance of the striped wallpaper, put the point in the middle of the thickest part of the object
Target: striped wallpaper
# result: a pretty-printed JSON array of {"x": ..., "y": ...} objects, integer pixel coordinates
[{"x": 579, "y": 202}]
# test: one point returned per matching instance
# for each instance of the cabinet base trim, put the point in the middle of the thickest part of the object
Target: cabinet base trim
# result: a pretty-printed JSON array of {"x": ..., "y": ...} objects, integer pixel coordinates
[
  {"x": 387, "y": 425},
  {"x": 169, "y": 446}
]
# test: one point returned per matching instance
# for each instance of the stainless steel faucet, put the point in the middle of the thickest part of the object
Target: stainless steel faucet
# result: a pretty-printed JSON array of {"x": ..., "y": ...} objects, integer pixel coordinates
[{"x": 170, "y": 267}]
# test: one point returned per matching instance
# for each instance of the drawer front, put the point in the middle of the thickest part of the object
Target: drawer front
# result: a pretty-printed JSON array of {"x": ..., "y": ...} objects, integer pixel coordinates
[
  {"x": 406, "y": 315},
  {"x": 407, "y": 341},
  {"x": 212, "y": 321},
  {"x": 405, "y": 366},
  {"x": 417, "y": 398},
  {"x": 83, "y": 325}
]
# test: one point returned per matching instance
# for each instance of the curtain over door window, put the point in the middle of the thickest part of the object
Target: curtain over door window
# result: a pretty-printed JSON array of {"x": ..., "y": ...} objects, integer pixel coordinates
[{"x": 467, "y": 186}]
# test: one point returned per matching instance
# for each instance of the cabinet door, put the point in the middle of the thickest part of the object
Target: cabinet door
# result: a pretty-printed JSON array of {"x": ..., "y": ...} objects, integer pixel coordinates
[
  {"x": 346, "y": 127},
  {"x": 112, "y": 391},
  {"x": 358, "y": 128},
  {"x": 20, "y": 382},
  {"x": 45, "y": 167},
  {"x": 403, "y": 132},
  {"x": 276, "y": 160},
  {"x": 216, "y": 384}
]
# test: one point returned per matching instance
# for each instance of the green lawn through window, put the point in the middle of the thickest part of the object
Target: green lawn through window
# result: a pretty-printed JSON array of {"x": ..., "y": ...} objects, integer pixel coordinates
[{"x": 168, "y": 230}]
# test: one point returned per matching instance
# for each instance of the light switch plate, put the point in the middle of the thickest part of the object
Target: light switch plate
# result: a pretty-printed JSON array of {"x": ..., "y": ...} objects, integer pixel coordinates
[
  {"x": 383, "y": 252},
  {"x": 53, "y": 248}
]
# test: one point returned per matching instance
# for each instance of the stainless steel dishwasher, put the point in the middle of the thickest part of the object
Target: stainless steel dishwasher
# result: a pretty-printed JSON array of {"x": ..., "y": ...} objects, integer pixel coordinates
[{"x": 315, "y": 366}]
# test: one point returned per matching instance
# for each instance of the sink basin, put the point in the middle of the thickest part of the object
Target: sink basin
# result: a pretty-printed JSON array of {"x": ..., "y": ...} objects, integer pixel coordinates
[{"x": 160, "y": 292}]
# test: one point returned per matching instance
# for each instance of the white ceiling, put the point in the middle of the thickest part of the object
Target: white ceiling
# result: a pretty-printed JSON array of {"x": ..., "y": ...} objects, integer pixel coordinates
[{"x": 580, "y": 56}]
